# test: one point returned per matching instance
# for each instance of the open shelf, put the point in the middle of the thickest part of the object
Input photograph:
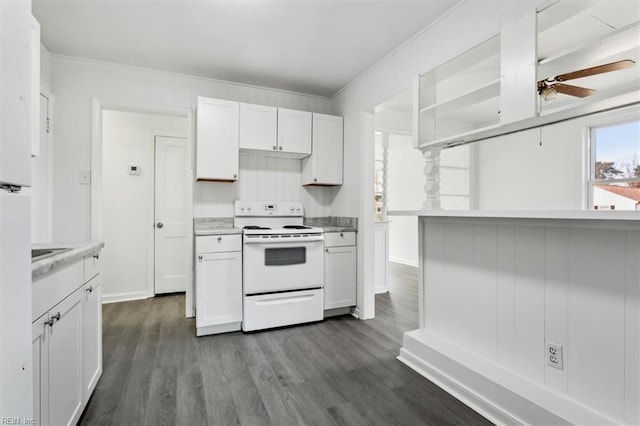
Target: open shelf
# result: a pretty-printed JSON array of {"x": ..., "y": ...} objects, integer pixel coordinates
[{"x": 479, "y": 94}]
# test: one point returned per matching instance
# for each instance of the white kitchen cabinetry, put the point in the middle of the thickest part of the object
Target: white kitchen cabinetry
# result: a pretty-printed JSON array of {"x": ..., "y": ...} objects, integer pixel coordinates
[
  {"x": 218, "y": 284},
  {"x": 324, "y": 166},
  {"x": 339, "y": 270},
  {"x": 92, "y": 292},
  {"x": 381, "y": 240},
  {"x": 217, "y": 140},
  {"x": 294, "y": 132},
  {"x": 67, "y": 344},
  {"x": 258, "y": 127}
]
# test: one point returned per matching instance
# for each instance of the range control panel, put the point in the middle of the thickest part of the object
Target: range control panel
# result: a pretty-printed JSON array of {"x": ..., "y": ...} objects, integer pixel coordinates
[{"x": 267, "y": 208}]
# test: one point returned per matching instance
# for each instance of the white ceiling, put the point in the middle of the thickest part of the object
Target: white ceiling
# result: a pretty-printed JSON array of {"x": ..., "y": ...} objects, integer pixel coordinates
[{"x": 314, "y": 47}]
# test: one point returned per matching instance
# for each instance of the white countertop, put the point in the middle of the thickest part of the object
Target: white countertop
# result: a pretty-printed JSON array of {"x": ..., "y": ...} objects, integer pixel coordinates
[
  {"x": 50, "y": 264},
  {"x": 525, "y": 214}
]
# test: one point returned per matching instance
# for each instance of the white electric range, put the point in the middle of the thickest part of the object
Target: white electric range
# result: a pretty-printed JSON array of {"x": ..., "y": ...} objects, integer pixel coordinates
[{"x": 282, "y": 265}]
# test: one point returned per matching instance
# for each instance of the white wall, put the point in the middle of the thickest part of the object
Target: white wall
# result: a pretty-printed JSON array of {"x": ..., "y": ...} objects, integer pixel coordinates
[
  {"x": 128, "y": 200},
  {"x": 406, "y": 192},
  {"x": 76, "y": 81},
  {"x": 465, "y": 26},
  {"x": 262, "y": 178},
  {"x": 41, "y": 166}
]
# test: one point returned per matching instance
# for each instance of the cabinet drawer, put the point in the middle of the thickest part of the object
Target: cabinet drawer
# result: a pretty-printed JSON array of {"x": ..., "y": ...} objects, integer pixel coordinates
[
  {"x": 51, "y": 289},
  {"x": 218, "y": 243},
  {"x": 338, "y": 239},
  {"x": 92, "y": 266}
]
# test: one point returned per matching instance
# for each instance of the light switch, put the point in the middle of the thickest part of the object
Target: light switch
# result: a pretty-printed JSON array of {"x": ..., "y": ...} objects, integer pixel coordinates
[{"x": 85, "y": 177}]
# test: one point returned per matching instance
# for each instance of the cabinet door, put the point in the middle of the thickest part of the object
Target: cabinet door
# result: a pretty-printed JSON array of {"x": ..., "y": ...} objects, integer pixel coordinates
[
  {"x": 324, "y": 167},
  {"x": 65, "y": 394},
  {"x": 339, "y": 277},
  {"x": 40, "y": 348},
  {"x": 92, "y": 335},
  {"x": 258, "y": 127},
  {"x": 218, "y": 288},
  {"x": 15, "y": 86},
  {"x": 294, "y": 131},
  {"x": 217, "y": 139}
]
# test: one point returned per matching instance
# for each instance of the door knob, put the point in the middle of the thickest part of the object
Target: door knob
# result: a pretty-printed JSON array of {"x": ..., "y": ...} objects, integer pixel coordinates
[{"x": 160, "y": 225}]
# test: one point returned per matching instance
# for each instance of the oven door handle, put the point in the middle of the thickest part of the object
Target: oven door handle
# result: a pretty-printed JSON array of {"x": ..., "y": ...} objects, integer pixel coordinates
[{"x": 292, "y": 240}]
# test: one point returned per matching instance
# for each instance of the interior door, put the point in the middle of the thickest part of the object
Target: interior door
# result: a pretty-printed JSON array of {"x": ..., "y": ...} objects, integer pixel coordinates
[{"x": 170, "y": 215}]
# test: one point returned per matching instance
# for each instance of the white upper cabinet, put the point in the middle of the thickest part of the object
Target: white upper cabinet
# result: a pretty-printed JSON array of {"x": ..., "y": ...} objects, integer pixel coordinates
[
  {"x": 217, "y": 140},
  {"x": 324, "y": 166},
  {"x": 35, "y": 88},
  {"x": 294, "y": 132},
  {"x": 258, "y": 127},
  {"x": 16, "y": 81}
]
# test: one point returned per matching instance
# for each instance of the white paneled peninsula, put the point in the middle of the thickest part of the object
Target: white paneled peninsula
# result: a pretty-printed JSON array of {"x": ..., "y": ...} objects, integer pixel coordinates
[{"x": 531, "y": 317}]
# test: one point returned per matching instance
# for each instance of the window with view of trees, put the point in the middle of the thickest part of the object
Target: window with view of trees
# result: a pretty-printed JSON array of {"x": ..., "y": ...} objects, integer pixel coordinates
[{"x": 615, "y": 166}]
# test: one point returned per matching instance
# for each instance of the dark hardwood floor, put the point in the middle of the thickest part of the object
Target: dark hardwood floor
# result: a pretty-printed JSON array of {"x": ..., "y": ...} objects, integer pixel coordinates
[{"x": 339, "y": 371}]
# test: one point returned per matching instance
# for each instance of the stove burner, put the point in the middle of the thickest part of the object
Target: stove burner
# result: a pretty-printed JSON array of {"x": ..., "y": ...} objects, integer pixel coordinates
[
  {"x": 296, "y": 227},
  {"x": 255, "y": 227}
]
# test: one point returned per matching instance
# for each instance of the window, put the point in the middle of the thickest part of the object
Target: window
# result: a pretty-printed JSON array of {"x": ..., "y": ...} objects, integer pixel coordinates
[{"x": 615, "y": 167}]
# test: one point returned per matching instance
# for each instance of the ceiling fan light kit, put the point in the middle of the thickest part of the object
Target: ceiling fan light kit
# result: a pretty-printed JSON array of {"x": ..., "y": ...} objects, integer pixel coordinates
[{"x": 549, "y": 88}]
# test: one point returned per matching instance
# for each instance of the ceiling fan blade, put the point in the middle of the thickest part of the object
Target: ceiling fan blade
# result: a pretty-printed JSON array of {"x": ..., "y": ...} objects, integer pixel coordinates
[
  {"x": 567, "y": 89},
  {"x": 600, "y": 69}
]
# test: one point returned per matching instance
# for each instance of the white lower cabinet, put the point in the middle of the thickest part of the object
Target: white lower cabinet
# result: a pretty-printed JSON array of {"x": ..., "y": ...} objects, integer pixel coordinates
[
  {"x": 92, "y": 293},
  {"x": 339, "y": 270},
  {"x": 67, "y": 351},
  {"x": 218, "y": 284}
]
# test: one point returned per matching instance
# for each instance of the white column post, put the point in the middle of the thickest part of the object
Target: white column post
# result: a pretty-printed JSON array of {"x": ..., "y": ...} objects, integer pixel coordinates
[{"x": 432, "y": 173}]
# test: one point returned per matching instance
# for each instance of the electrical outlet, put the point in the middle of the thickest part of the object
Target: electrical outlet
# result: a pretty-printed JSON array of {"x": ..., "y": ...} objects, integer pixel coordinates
[{"x": 553, "y": 355}]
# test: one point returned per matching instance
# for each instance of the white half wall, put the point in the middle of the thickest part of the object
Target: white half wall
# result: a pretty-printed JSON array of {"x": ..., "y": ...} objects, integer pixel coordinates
[
  {"x": 496, "y": 290},
  {"x": 76, "y": 81},
  {"x": 128, "y": 200}
]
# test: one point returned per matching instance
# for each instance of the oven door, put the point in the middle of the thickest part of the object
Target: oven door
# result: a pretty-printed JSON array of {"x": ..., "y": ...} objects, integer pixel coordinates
[{"x": 282, "y": 265}]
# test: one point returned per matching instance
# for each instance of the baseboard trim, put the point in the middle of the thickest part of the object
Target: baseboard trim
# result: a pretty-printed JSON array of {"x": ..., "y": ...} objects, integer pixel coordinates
[
  {"x": 460, "y": 392},
  {"x": 124, "y": 297},
  {"x": 493, "y": 390},
  {"x": 403, "y": 261}
]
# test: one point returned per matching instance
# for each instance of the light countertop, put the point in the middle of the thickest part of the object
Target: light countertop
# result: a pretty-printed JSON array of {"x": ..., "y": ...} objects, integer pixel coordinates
[
  {"x": 616, "y": 215},
  {"x": 214, "y": 226},
  {"x": 78, "y": 252}
]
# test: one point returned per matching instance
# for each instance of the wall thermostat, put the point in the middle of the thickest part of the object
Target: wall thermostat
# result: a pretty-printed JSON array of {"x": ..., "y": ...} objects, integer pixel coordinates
[{"x": 134, "y": 170}]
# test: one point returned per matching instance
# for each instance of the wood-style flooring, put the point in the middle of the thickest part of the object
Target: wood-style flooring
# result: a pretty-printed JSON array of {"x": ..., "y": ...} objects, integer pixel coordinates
[{"x": 339, "y": 371}]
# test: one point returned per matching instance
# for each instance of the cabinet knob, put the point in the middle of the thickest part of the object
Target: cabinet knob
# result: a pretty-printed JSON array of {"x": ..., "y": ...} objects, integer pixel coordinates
[
  {"x": 235, "y": 176},
  {"x": 280, "y": 148},
  {"x": 56, "y": 316},
  {"x": 90, "y": 289},
  {"x": 200, "y": 258},
  {"x": 315, "y": 179},
  {"x": 275, "y": 147},
  {"x": 96, "y": 256},
  {"x": 342, "y": 234},
  {"x": 219, "y": 239},
  {"x": 326, "y": 250},
  {"x": 160, "y": 225},
  {"x": 49, "y": 322}
]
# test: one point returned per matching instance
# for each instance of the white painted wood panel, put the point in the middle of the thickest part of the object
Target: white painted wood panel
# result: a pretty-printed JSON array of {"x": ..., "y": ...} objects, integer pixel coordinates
[
  {"x": 555, "y": 299},
  {"x": 434, "y": 274},
  {"x": 595, "y": 354},
  {"x": 505, "y": 296},
  {"x": 458, "y": 301},
  {"x": 632, "y": 329},
  {"x": 529, "y": 301},
  {"x": 485, "y": 290},
  {"x": 497, "y": 289}
]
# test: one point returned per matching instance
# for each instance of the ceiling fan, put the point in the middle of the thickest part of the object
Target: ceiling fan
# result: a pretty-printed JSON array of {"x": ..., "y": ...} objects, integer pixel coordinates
[{"x": 549, "y": 88}]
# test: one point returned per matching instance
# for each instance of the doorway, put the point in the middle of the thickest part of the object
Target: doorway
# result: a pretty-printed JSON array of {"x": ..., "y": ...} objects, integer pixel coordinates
[{"x": 145, "y": 208}]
